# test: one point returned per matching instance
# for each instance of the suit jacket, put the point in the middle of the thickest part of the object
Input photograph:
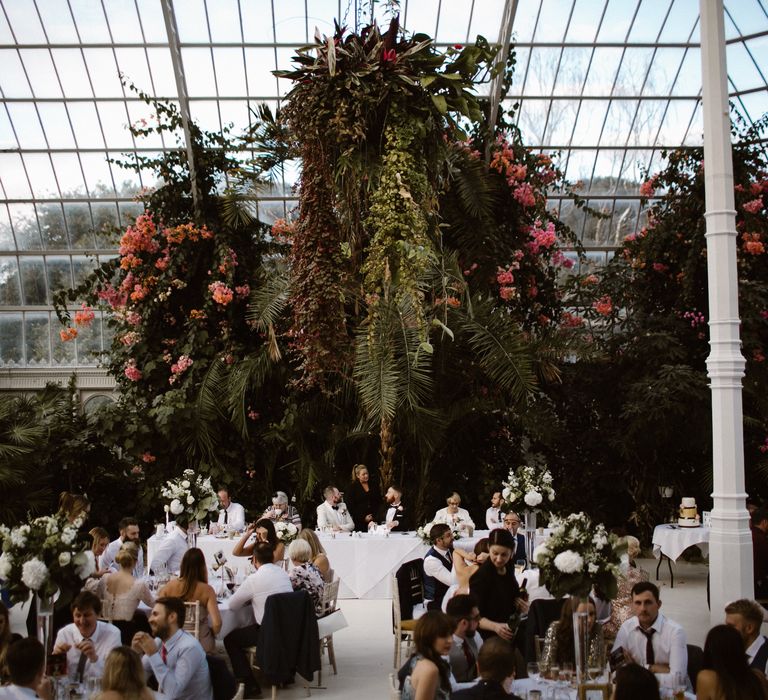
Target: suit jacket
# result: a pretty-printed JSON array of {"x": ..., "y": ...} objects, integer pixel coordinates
[
  {"x": 403, "y": 521},
  {"x": 328, "y": 517},
  {"x": 462, "y": 671},
  {"x": 520, "y": 552},
  {"x": 484, "y": 690}
]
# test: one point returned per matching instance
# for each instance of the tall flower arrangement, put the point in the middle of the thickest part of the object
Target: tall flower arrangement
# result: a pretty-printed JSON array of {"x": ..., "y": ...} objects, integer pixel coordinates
[
  {"x": 529, "y": 486},
  {"x": 43, "y": 556},
  {"x": 192, "y": 494}
]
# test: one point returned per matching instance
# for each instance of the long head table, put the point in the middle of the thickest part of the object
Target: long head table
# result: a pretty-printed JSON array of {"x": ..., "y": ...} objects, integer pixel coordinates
[{"x": 363, "y": 562}]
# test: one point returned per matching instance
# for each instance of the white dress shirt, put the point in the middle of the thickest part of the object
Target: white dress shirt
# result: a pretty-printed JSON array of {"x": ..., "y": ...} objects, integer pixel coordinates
[
  {"x": 170, "y": 551},
  {"x": 184, "y": 674},
  {"x": 494, "y": 518},
  {"x": 17, "y": 692},
  {"x": 255, "y": 590},
  {"x": 433, "y": 567},
  {"x": 235, "y": 516},
  {"x": 461, "y": 517},
  {"x": 105, "y": 638},
  {"x": 669, "y": 645},
  {"x": 753, "y": 648},
  {"x": 339, "y": 517},
  {"x": 107, "y": 559}
]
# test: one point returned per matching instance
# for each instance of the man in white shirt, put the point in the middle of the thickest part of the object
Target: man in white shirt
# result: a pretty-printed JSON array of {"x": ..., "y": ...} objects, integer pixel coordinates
[
  {"x": 174, "y": 656},
  {"x": 87, "y": 640},
  {"x": 25, "y": 660},
  {"x": 172, "y": 548},
  {"x": 333, "y": 514},
  {"x": 438, "y": 565},
  {"x": 255, "y": 590},
  {"x": 129, "y": 532},
  {"x": 747, "y": 617},
  {"x": 231, "y": 514},
  {"x": 650, "y": 639},
  {"x": 494, "y": 516}
]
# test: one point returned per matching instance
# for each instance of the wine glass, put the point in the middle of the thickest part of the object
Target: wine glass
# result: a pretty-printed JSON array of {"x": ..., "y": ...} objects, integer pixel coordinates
[
  {"x": 566, "y": 673},
  {"x": 533, "y": 671},
  {"x": 520, "y": 566}
]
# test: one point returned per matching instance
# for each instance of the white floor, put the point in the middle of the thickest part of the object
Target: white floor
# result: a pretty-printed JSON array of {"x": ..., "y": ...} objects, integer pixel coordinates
[{"x": 364, "y": 650}]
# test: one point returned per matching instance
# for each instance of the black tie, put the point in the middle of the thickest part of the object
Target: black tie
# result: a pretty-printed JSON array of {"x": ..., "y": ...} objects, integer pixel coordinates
[
  {"x": 226, "y": 516},
  {"x": 650, "y": 657},
  {"x": 335, "y": 507},
  {"x": 81, "y": 666}
]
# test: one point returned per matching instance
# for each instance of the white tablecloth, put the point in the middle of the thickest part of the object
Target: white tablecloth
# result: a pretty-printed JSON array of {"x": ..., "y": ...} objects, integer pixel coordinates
[
  {"x": 230, "y": 619},
  {"x": 672, "y": 540}
]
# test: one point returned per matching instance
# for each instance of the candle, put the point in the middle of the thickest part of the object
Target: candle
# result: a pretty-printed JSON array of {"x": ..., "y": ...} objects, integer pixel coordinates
[{"x": 166, "y": 516}]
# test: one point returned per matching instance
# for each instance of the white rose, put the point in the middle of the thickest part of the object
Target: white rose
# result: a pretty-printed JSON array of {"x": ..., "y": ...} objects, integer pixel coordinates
[
  {"x": 540, "y": 553},
  {"x": 532, "y": 498},
  {"x": 87, "y": 567},
  {"x": 593, "y": 568},
  {"x": 185, "y": 484},
  {"x": 68, "y": 535},
  {"x": 600, "y": 540},
  {"x": 547, "y": 478},
  {"x": 34, "y": 574},
  {"x": 19, "y": 536},
  {"x": 569, "y": 562},
  {"x": 551, "y": 495},
  {"x": 190, "y": 500},
  {"x": 64, "y": 558},
  {"x": 6, "y": 562},
  {"x": 506, "y": 494},
  {"x": 176, "y": 507}
]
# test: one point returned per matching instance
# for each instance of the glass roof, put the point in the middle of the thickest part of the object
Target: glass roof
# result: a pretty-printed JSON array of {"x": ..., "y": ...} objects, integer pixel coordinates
[{"x": 608, "y": 84}]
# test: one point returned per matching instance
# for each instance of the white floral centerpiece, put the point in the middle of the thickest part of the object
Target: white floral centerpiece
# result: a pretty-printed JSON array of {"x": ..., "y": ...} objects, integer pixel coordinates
[
  {"x": 424, "y": 531},
  {"x": 577, "y": 556},
  {"x": 43, "y": 556},
  {"x": 191, "y": 494},
  {"x": 286, "y": 532},
  {"x": 529, "y": 485}
]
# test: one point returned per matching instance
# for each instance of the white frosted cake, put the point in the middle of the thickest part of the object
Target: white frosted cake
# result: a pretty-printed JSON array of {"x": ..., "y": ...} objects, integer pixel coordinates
[{"x": 689, "y": 514}]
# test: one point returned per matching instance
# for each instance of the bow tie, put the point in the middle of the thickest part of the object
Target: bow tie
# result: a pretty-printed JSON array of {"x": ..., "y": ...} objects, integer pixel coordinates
[{"x": 335, "y": 507}]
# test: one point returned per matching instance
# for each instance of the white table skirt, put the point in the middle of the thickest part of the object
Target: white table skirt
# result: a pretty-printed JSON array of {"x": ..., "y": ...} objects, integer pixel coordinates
[{"x": 671, "y": 540}]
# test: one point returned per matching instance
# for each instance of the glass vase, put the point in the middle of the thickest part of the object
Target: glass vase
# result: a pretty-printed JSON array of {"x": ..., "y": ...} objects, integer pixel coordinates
[
  {"x": 192, "y": 532},
  {"x": 530, "y": 535},
  {"x": 581, "y": 637},
  {"x": 45, "y": 621}
]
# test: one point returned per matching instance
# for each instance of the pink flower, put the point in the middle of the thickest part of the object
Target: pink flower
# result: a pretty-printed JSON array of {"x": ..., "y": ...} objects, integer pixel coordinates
[
  {"x": 85, "y": 316},
  {"x": 179, "y": 367},
  {"x": 133, "y": 318},
  {"x": 504, "y": 276},
  {"x": 137, "y": 470},
  {"x": 243, "y": 291},
  {"x": 132, "y": 372},
  {"x": 68, "y": 334},
  {"x": 648, "y": 188},
  {"x": 754, "y": 205},
  {"x": 221, "y": 293},
  {"x": 570, "y": 320},
  {"x": 523, "y": 193},
  {"x": 660, "y": 267},
  {"x": 507, "y": 293},
  {"x": 130, "y": 338},
  {"x": 603, "y": 306},
  {"x": 253, "y": 415},
  {"x": 148, "y": 457}
]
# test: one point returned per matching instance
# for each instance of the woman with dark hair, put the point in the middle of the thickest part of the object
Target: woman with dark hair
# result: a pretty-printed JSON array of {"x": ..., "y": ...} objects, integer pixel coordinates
[
  {"x": 74, "y": 507},
  {"x": 363, "y": 498},
  {"x": 495, "y": 587},
  {"x": 725, "y": 673},
  {"x": 425, "y": 676},
  {"x": 6, "y": 639},
  {"x": 264, "y": 530},
  {"x": 558, "y": 642},
  {"x": 634, "y": 682},
  {"x": 192, "y": 585}
]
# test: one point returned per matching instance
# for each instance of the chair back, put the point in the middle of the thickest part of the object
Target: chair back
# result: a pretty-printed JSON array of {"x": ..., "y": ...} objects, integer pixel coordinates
[
  {"x": 397, "y": 608},
  {"x": 330, "y": 598},
  {"x": 394, "y": 687},
  {"x": 541, "y": 614},
  {"x": 192, "y": 618},
  {"x": 695, "y": 662},
  {"x": 410, "y": 586}
]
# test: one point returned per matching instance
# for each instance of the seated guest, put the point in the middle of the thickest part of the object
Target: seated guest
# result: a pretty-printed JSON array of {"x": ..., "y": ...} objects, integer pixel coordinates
[
  {"x": 282, "y": 511},
  {"x": 264, "y": 530},
  {"x": 192, "y": 585},
  {"x": 255, "y": 590},
  {"x": 494, "y": 515},
  {"x": 175, "y": 657},
  {"x": 558, "y": 642},
  {"x": 725, "y": 672},
  {"x": 172, "y": 548},
  {"x": 633, "y": 682},
  {"x": 99, "y": 541},
  {"x": 363, "y": 498},
  {"x": 122, "y": 594},
  {"x": 651, "y": 639},
  {"x": 465, "y": 615},
  {"x": 6, "y": 639},
  {"x": 464, "y": 568},
  {"x": 438, "y": 565},
  {"x": 512, "y": 523},
  {"x": 759, "y": 522},
  {"x": 495, "y": 587},
  {"x": 319, "y": 558},
  {"x": 426, "y": 675},
  {"x": 392, "y": 511},
  {"x": 230, "y": 514},
  {"x": 304, "y": 575},
  {"x": 629, "y": 575},
  {"x": 87, "y": 640},
  {"x": 26, "y": 669},
  {"x": 74, "y": 507},
  {"x": 746, "y": 616},
  {"x": 129, "y": 532},
  {"x": 453, "y": 515},
  {"x": 496, "y": 668},
  {"x": 332, "y": 514},
  {"x": 123, "y": 677}
]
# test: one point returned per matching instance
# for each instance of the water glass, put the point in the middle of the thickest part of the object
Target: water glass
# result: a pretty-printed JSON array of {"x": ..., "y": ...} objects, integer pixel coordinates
[
  {"x": 520, "y": 566},
  {"x": 533, "y": 671}
]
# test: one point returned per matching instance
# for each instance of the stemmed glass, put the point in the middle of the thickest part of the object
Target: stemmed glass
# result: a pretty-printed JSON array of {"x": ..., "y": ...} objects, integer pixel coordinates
[{"x": 533, "y": 672}]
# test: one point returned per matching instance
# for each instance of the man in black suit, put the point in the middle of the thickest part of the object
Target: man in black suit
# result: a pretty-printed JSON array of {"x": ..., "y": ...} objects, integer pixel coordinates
[
  {"x": 496, "y": 668},
  {"x": 392, "y": 511},
  {"x": 512, "y": 523}
]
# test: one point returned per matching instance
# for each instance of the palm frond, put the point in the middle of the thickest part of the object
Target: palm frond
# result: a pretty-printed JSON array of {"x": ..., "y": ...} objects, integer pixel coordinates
[
  {"x": 246, "y": 376},
  {"x": 204, "y": 434},
  {"x": 269, "y": 300},
  {"x": 476, "y": 191}
]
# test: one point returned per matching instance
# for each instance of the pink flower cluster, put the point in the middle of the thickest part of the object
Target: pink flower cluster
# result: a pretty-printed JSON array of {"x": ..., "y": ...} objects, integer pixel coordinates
[
  {"x": 179, "y": 367},
  {"x": 648, "y": 188},
  {"x": 660, "y": 267},
  {"x": 752, "y": 243},
  {"x": 243, "y": 291},
  {"x": 764, "y": 447},
  {"x": 754, "y": 205},
  {"x": 221, "y": 293},
  {"x": 85, "y": 316},
  {"x": 132, "y": 371},
  {"x": 229, "y": 262},
  {"x": 542, "y": 237},
  {"x": 130, "y": 338},
  {"x": 570, "y": 320},
  {"x": 523, "y": 193},
  {"x": 148, "y": 458},
  {"x": 604, "y": 305},
  {"x": 695, "y": 317}
]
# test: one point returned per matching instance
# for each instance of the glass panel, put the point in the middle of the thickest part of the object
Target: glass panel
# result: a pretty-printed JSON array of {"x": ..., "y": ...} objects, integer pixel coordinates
[
  {"x": 230, "y": 72},
  {"x": 555, "y": 14},
  {"x": 36, "y": 327},
  {"x": 224, "y": 20},
  {"x": 291, "y": 26},
  {"x": 234, "y": 112},
  {"x": 7, "y": 138},
  {"x": 25, "y": 226},
  {"x": 6, "y": 37},
  {"x": 632, "y": 71},
  {"x": 11, "y": 339},
  {"x": 89, "y": 343},
  {"x": 90, "y": 21},
  {"x": 573, "y": 69},
  {"x": 616, "y": 22},
  {"x": 25, "y": 23},
  {"x": 257, "y": 21},
  {"x": 152, "y": 23},
  {"x": 63, "y": 352},
  {"x": 602, "y": 72},
  {"x": 59, "y": 275},
  {"x": 114, "y": 121},
  {"x": 58, "y": 22},
  {"x": 140, "y": 114},
  {"x": 454, "y": 19},
  {"x": 123, "y": 20},
  {"x": 650, "y": 16},
  {"x": 689, "y": 80},
  {"x": 199, "y": 72},
  {"x": 52, "y": 227},
  {"x": 41, "y": 73},
  {"x": 206, "y": 114},
  {"x": 742, "y": 68},
  {"x": 192, "y": 23},
  {"x": 104, "y": 72},
  {"x": 81, "y": 268},
  {"x": 33, "y": 280},
  {"x": 162, "y": 72},
  {"x": 69, "y": 174},
  {"x": 41, "y": 175},
  {"x": 10, "y": 292},
  {"x": 562, "y": 114},
  {"x": 56, "y": 126},
  {"x": 664, "y": 66},
  {"x": 85, "y": 123},
  {"x": 591, "y": 116},
  {"x": 133, "y": 64},
  {"x": 586, "y": 20},
  {"x": 6, "y": 234},
  {"x": 681, "y": 21},
  {"x": 104, "y": 219},
  {"x": 98, "y": 174},
  {"x": 71, "y": 71},
  {"x": 261, "y": 82},
  {"x": 79, "y": 224},
  {"x": 26, "y": 125},
  {"x": 128, "y": 212},
  {"x": 13, "y": 177}
]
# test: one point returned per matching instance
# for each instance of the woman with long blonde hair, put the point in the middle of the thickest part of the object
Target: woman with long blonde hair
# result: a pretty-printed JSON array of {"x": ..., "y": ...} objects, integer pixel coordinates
[
  {"x": 319, "y": 557},
  {"x": 123, "y": 677}
]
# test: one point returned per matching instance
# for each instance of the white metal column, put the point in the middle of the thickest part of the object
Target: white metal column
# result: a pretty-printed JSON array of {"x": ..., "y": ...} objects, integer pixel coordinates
[{"x": 730, "y": 545}]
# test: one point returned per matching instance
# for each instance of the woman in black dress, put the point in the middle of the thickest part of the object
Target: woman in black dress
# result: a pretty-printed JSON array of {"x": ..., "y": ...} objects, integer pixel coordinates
[{"x": 363, "y": 498}]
